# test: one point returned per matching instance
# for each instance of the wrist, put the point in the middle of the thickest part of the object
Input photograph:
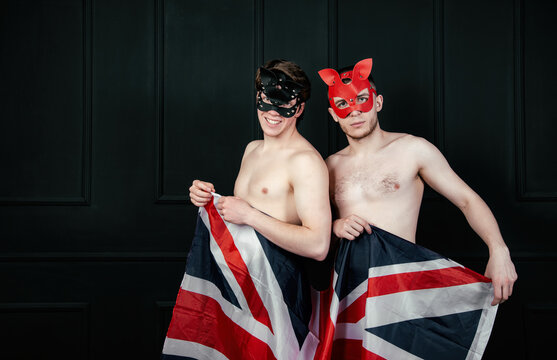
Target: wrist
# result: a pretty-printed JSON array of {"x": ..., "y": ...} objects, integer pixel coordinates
[
  {"x": 337, "y": 228},
  {"x": 250, "y": 216},
  {"x": 498, "y": 248}
]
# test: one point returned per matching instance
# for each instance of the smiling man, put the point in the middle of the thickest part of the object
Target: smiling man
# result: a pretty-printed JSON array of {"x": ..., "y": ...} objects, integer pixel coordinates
[
  {"x": 246, "y": 290},
  {"x": 282, "y": 187}
]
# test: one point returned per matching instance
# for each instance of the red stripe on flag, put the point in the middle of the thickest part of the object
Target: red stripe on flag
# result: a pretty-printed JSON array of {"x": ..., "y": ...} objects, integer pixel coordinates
[
  {"x": 418, "y": 280},
  {"x": 237, "y": 265},
  {"x": 354, "y": 312},
  {"x": 349, "y": 349},
  {"x": 326, "y": 325},
  {"x": 200, "y": 319}
]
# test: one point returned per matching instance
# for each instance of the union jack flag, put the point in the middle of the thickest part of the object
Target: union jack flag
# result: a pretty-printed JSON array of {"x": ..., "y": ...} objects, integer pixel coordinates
[
  {"x": 242, "y": 297},
  {"x": 393, "y": 299}
]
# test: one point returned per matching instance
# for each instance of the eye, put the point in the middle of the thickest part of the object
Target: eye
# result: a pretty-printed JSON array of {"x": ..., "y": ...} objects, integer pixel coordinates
[
  {"x": 362, "y": 99},
  {"x": 341, "y": 104},
  {"x": 265, "y": 99},
  {"x": 289, "y": 105}
]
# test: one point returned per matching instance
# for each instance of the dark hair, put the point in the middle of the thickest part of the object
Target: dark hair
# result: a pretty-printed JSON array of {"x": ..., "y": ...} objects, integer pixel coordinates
[
  {"x": 349, "y": 68},
  {"x": 293, "y": 70}
]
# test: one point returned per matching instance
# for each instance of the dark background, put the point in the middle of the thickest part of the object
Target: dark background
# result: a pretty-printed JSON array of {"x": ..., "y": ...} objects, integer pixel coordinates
[{"x": 109, "y": 109}]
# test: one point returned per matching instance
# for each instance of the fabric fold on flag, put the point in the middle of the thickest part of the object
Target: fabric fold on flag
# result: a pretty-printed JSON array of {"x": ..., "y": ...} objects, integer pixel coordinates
[
  {"x": 242, "y": 297},
  {"x": 393, "y": 299}
]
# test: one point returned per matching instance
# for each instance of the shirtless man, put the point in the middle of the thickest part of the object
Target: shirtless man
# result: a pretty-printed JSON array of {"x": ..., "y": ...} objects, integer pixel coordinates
[
  {"x": 379, "y": 177},
  {"x": 282, "y": 187}
]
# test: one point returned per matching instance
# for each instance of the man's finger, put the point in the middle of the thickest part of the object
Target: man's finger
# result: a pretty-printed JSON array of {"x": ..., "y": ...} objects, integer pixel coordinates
[
  {"x": 497, "y": 294},
  {"x": 206, "y": 186},
  {"x": 352, "y": 232},
  {"x": 359, "y": 228},
  {"x": 505, "y": 293},
  {"x": 363, "y": 223},
  {"x": 368, "y": 228}
]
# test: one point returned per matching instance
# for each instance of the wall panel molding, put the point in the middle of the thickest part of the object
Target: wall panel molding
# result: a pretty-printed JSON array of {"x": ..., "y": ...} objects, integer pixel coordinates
[
  {"x": 258, "y": 56},
  {"x": 63, "y": 329},
  {"x": 257, "y": 48},
  {"x": 163, "y": 315},
  {"x": 93, "y": 257},
  {"x": 523, "y": 194},
  {"x": 439, "y": 73},
  {"x": 84, "y": 198},
  {"x": 334, "y": 131}
]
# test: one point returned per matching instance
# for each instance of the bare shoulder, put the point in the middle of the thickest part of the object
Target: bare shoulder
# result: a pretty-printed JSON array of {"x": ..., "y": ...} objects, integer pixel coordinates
[
  {"x": 425, "y": 154},
  {"x": 337, "y": 158},
  {"x": 410, "y": 143},
  {"x": 306, "y": 158},
  {"x": 252, "y": 145}
]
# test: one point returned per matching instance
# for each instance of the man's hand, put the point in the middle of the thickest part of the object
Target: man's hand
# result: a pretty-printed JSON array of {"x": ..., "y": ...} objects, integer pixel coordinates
[
  {"x": 350, "y": 227},
  {"x": 500, "y": 269},
  {"x": 234, "y": 210},
  {"x": 200, "y": 192}
]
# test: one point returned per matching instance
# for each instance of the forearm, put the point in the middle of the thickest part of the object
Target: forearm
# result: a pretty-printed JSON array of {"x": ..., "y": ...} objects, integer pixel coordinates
[
  {"x": 312, "y": 242},
  {"x": 483, "y": 222}
]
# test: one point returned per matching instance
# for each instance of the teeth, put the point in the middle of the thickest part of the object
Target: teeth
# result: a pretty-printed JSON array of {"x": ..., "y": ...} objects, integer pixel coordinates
[{"x": 272, "y": 122}]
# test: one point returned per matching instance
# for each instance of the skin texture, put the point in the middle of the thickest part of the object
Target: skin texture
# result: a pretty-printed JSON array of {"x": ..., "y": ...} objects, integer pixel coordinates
[
  {"x": 281, "y": 189},
  {"x": 379, "y": 179}
]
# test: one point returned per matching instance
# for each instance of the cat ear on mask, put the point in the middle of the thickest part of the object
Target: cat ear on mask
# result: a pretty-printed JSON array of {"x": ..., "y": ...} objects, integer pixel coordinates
[
  {"x": 362, "y": 69},
  {"x": 267, "y": 77},
  {"x": 329, "y": 76}
]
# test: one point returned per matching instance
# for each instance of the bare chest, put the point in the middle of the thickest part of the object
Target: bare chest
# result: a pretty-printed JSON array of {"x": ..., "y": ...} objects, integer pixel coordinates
[
  {"x": 373, "y": 181},
  {"x": 265, "y": 184}
]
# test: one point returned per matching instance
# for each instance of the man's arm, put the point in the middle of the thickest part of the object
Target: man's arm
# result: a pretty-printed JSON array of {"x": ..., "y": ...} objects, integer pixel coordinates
[
  {"x": 436, "y": 172},
  {"x": 309, "y": 180}
]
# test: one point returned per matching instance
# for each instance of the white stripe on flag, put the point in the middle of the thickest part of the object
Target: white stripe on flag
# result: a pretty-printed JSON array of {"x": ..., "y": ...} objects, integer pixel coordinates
[
  {"x": 385, "y": 349},
  {"x": 353, "y": 296},
  {"x": 240, "y": 317},
  {"x": 436, "y": 264},
  {"x": 484, "y": 331},
  {"x": 221, "y": 263},
  {"x": 416, "y": 304},
  {"x": 188, "y": 348},
  {"x": 371, "y": 342},
  {"x": 284, "y": 343}
]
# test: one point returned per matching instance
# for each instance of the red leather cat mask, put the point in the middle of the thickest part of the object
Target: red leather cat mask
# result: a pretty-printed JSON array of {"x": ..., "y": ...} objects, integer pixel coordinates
[{"x": 356, "y": 81}]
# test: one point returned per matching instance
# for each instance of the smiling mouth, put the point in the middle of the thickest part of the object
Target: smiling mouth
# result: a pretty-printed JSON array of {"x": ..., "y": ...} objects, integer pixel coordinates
[{"x": 272, "y": 122}]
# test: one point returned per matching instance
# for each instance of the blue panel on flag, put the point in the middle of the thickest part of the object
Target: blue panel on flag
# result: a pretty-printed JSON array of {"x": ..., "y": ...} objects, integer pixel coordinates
[
  {"x": 202, "y": 264},
  {"x": 290, "y": 274},
  {"x": 379, "y": 248},
  {"x": 438, "y": 338}
]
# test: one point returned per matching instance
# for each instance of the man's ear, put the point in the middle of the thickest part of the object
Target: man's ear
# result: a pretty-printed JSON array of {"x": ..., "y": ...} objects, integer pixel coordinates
[
  {"x": 300, "y": 109},
  {"x": 379, "y": 103},
  {"x": 333, "y": 115}
]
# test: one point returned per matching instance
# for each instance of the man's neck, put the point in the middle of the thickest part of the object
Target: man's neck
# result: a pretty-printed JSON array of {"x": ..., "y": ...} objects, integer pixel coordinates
[
  {"x": 371, "y": 143},
  {"x": 282, "y": 140}
]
